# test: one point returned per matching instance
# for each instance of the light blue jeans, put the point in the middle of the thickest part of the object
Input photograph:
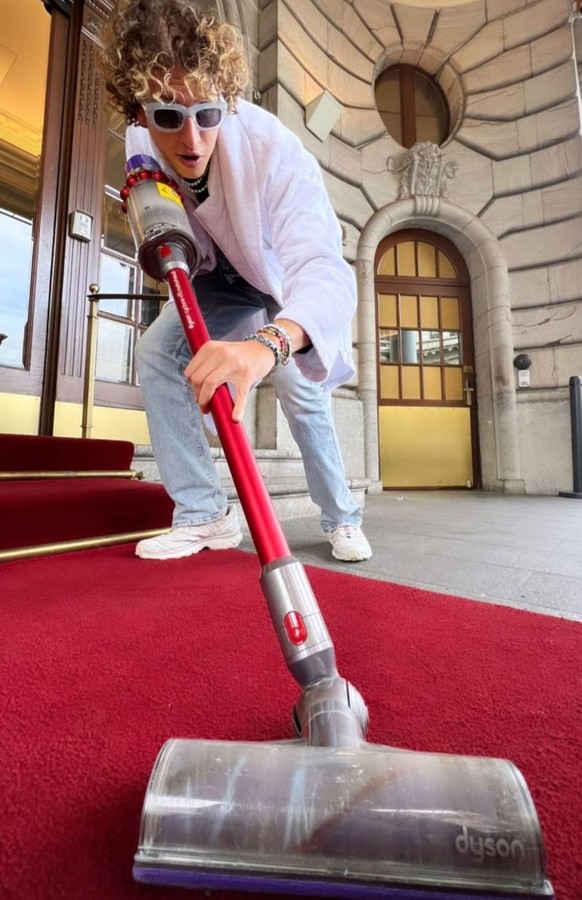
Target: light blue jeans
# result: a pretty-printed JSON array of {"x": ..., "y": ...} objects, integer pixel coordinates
[{"x": 176, "y": 426}]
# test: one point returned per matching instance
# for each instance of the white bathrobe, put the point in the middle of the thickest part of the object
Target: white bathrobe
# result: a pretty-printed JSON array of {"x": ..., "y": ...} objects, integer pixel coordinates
[{"x": 270, "y": 214}]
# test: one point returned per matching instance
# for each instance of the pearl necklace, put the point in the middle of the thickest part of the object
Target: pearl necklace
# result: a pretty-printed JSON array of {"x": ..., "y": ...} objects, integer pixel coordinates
[{"x": 198, "y": 185}]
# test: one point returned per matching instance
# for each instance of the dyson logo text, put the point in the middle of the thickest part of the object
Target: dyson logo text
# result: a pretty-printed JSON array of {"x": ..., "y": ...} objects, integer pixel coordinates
[{"x": 480, "y": 847}]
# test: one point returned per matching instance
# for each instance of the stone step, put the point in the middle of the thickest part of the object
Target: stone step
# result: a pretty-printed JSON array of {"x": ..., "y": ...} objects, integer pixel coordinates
[
  {"x": 291, "y": 499},
  {"x": 272, "y": 463},
  {"x": 282, "y": 473}
]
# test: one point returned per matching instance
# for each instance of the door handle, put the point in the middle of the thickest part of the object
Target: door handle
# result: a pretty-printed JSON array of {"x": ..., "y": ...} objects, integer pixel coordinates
[{"x": 468, "y": 391}]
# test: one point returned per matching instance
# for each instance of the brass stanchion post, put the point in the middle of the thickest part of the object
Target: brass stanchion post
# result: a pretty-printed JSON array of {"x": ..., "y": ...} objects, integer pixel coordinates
[{"x": 90, "y": 361}]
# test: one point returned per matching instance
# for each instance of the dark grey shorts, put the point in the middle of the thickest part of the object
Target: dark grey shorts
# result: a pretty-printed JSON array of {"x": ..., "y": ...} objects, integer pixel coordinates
[{"x": 226, "y": 299}]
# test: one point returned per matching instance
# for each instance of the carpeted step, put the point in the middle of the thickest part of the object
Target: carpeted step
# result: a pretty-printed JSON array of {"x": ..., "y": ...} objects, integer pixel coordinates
[
  {"x": 55, "y": 490},
  {"x": 44, "y": 453},
  {"x": 72, "y": 509}
]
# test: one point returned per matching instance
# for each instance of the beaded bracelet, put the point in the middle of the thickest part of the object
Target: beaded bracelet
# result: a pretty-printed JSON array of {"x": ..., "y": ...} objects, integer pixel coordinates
[
  {"x": 267, "y": 343},
  {"x": 286, "y": 346}
]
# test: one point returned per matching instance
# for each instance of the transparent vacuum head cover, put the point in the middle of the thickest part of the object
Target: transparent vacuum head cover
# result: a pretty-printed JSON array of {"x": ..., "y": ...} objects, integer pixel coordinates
[{"x": 372, "y": 814}]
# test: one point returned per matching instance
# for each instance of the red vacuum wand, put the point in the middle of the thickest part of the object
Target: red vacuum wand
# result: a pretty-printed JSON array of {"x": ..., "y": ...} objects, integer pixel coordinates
[{"x": 263, "y": 525}]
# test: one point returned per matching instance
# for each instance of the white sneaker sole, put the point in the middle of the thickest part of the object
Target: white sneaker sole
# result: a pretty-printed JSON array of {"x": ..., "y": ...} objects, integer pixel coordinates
[
  {"x": 359, "y": 558},
  {"x": 217, "y": 543}
]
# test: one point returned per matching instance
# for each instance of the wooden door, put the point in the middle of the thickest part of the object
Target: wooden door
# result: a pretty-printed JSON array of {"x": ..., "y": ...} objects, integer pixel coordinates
[{"x": 426, "y": 375}]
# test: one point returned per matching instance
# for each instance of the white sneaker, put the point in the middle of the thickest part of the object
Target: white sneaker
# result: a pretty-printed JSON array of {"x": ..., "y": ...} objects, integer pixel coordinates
[
  {"x": 185, "y": 540},
  {"x": 349, "y": 544}
]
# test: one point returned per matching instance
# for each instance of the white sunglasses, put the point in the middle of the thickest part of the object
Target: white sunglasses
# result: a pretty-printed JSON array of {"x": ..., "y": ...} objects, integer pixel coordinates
[{"x": 172, "y": 116}]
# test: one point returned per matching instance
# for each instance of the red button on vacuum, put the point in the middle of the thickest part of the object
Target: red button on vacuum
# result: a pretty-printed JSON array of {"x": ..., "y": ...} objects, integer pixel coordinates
[{"x": 295, "y": 627}]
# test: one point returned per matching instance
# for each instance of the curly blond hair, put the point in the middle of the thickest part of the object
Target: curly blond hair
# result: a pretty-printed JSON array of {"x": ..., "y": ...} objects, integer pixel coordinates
[{"x": 144, "y": 41}]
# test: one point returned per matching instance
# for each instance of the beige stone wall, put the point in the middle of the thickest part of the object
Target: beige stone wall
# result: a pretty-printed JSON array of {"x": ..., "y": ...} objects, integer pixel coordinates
[{"x": 509, "y": 72}]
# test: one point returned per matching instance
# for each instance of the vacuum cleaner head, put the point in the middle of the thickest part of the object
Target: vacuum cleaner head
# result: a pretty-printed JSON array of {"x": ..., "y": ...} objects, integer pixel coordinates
[{"x": 357, "y": 822}]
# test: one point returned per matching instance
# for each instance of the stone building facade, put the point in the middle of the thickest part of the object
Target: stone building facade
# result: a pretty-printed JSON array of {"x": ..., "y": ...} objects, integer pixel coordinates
[{"x": 505, "y": 189}]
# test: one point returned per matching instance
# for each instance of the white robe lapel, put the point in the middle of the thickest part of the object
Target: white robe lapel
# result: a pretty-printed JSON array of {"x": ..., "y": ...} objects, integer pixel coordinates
[{"x": 232, "y": 213}]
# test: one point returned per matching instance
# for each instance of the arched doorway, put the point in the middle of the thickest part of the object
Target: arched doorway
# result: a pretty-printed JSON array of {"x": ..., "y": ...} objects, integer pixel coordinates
[
  {"x": 427, "y": 418},
  {"x": 490, "y": 299}
]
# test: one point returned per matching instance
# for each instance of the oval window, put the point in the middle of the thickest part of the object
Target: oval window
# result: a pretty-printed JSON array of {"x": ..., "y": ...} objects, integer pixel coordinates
[{"x": 412, "y": 106}]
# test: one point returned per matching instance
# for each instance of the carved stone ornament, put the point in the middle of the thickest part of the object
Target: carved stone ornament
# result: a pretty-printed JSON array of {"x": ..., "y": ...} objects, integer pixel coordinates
[{"x": 423, "y": 171}]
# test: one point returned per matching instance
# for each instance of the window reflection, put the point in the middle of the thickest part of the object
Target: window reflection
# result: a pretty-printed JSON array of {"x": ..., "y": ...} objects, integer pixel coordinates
[
  {"x": 431, "y": 348},
  {"x": 117, "y": 125},
  {"x": 114, "y": 351},
  {"x": 451, "y": 348},
  {"x": 401, "y": 346},
  {"x": 410, "y": 341},
  {"x": 115, "y": 166},
  {"x": 116, "y": 231},
  {"x": 116, "y": 277},
  {"x": 150, "y": 309},
  {"x": 15, "y": 264},
  {"x": 389, "y": 345}
]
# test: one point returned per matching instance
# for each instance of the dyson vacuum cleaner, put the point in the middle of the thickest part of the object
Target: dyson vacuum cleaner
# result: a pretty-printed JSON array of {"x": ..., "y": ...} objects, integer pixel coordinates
[{"x": 326, "y": 814}]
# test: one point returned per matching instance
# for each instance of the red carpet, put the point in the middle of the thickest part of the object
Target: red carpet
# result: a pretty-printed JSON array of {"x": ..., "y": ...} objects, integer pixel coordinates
[{"x": 105, "y": 656}]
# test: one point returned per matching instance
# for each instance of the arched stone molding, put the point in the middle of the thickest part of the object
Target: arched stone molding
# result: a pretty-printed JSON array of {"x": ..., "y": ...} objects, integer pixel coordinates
[{"x": 492, "y": 331}]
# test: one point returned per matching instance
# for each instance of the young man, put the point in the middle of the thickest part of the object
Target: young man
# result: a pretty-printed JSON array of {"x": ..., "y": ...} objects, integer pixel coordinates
[{"x": 273, "y": 287}]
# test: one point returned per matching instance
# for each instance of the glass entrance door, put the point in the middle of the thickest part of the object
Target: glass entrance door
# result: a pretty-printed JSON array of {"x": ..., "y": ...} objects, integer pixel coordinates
[{"x": 24, "y": 52}]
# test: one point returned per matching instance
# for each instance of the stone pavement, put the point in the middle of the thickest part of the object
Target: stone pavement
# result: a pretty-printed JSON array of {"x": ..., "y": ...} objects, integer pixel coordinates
[{"x": 522, "y": 551}]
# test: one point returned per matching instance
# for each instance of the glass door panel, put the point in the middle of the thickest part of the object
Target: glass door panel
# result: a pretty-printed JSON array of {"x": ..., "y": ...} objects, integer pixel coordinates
[
  {"x": 388, "y": 263},
  {"x": 15, "y": 263},
  {"x": 116, "y": 277},
  {"x": 387, "y": 315},
  {"x": 450, "y": 317},
  {"x": 452, "y": 348},
  {"x": 453, "y": 384},
  {"x": 432, "y": 384},
  {"x": 408, "y": 311},
  {"x": 426, "y": 260},
  {"x": 429, "y": 312},
  {"x": 150, "y": 309},
  {"x": 431, "y": 348},
  {"x": 114, "y": 351},
  {"x": 389, "y": 383},
  {"x": 406, "y": 256},
  {"x": 410, "y": 383},
  {"x": 436, "y": 345},
  {"x": 24, "y": 49}
]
